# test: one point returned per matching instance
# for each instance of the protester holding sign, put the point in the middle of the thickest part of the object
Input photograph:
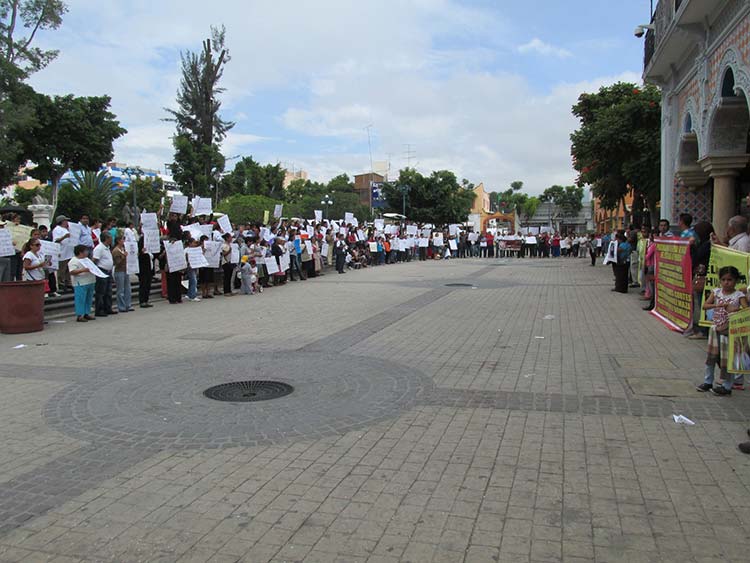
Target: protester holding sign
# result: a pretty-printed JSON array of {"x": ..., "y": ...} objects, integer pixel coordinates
[
  {"x": 122, "y": 279},
  {"x": 83, "y": 284},
  {"x": 722, "y": 301}
]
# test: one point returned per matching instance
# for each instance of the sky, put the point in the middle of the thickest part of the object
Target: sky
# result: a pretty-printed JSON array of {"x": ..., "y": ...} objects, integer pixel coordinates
[{"x": 483, "y": 88}]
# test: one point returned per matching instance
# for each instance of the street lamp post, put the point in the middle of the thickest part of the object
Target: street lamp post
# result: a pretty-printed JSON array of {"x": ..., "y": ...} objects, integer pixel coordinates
[
  {"x": 404, "y": 190},
  {"x": 130, "y": 172},
  {"x": 326, "y": 201}
]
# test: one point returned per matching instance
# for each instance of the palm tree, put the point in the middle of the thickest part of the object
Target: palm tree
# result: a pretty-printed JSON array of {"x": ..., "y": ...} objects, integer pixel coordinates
[{"x": 95, "y": 189}]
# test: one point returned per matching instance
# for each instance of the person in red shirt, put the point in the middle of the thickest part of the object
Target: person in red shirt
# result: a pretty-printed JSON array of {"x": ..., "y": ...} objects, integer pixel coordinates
[{"x": 490, "y": 245}]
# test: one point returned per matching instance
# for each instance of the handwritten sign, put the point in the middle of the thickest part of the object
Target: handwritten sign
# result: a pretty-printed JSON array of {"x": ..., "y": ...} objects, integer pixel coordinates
[
  {"x": 6, "y": 243},
  {"x": 51, "y": 251},
  {"x": 195, "y": 257},
  {"x": 93, "y": 268},
  {"x": 175, "y": 256},
  {"x": 278, "y": 210},
  {"x": 225, "y": 224},
  {"x": 149, "y": 221},
  {"x": 151, "y": 241},
  {"x": 179, "y": 204},
  {"x": 202, "y": 206},
  {"x": 131, "y": 260}
]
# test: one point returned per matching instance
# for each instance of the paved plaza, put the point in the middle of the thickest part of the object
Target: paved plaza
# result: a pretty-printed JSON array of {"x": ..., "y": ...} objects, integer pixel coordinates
[{"x": 465, "y": 410}]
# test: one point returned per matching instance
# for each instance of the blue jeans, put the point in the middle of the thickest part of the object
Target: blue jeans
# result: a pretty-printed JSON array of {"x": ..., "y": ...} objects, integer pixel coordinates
[
  {"x": 123, "y": 291},
  {"x": 82, "y": 297},
  {"x": 727, "y": 378},
  {"x": 192, "y": 277}
]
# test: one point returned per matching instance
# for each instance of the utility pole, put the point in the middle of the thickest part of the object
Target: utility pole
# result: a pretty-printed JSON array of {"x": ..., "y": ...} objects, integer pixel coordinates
[{"x": 409, "y": 154}]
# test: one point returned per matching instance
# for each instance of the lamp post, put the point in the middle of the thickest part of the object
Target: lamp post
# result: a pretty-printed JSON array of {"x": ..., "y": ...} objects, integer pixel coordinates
[
  {"x": 404, "y": 190},
  {"x": 130, "y": 172},
  {"x": 327, "y": 201}
]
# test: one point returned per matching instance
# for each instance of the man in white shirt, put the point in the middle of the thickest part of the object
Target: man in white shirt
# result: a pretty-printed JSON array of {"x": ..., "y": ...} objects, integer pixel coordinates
[
  {"x": 102, "y": 257},
  {"x": 61, "y": 235}
]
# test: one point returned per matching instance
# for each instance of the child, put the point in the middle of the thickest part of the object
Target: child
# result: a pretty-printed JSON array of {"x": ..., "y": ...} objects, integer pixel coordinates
[
  {"x": 83, "y": 284},
  {"x": 248, "y": 276},
  {"x": 722, "y": 301}
]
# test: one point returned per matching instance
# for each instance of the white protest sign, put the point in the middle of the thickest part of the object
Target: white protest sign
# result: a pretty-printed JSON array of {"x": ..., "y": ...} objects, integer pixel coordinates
[
  {"x": 179, "y": 204},
  {"x": 308, "y": 246},
  {"x": 324, "y": 249},
  {"x": 93, "y": 268},
  {"x": 195, "y": 257},
  {"x": 6, "y": 243},
  {"x": 202, "y": 206},
  {"x": 212, "y": 252},
  {"x": 529, "y": 240},
  {"x": 271, "y": 265},
  {"x": 373, "y": 247},
  {"x": 318, "y": 215},
  {"x": 360, "y": 235},
  {"x": 225, "y": 224},
  {"x": 355, "y": 222},
  {"x": 379, "y": 224},
  {"x": 234, "y": 255},
  {"x": 284, "y": 262},
  {"x": 310, "y": 232},
  {"x": 149, "y": 221},
  {"x": 452, "y": 230},
  {"x": 452, "y": 244},
  {"x": 151, "y": 241},
  {"x": 175, "y": 256},
  {"x": 206, "y": 230},
  {"x": 278, "y": 210},
  {"x": 50, "y": 250},
  {"x": 75, "y": 232},
  {"x": 131, "y": 260},
  {"x": 411, "y": 230},
  {"x": 473, "y": 237},
  {"x": 427, "y": 233},
  {"x": 348, "y": 217},
  {"x": 438, "y": 240},
  {"x": 611, "y": 256},
  {"x": 424, "y": 242}
]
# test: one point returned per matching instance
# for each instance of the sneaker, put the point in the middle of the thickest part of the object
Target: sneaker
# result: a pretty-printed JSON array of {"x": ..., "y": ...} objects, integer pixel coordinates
[
  {"x": 721, "y": 392},
  {"x": 738, "y": 387},
  {"x": 146, "y": 305},
  {"x": 54, "y": 294},
  {"x": 194, "y": 299},
  {"x": 703, "y": 387}
]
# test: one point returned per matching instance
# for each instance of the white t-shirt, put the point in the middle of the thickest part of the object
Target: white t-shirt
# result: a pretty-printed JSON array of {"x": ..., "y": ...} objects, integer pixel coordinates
[
  {"x": 67, "y": 245},
  {"x": 37, "y": 274},
  {"x": 103, "y": 257}
]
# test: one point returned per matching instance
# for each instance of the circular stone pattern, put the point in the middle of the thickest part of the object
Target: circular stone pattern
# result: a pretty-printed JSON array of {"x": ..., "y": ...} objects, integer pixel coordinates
[
  {"x": 248, "y": 391},
  {"x": 163, "y": 406}
]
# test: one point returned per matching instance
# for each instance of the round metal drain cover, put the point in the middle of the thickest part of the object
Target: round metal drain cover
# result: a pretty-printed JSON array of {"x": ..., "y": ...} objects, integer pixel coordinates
[
  {"x": 247, "y": 391},
  {"x": 458, "y": 285}
]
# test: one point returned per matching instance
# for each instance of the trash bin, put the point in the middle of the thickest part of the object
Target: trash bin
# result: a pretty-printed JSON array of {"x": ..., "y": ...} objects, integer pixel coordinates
[{"x": 21, "y": 307}]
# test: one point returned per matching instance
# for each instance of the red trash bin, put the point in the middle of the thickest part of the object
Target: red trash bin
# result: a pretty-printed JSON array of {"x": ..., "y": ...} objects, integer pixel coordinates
[{"x": 21, "y": 307}]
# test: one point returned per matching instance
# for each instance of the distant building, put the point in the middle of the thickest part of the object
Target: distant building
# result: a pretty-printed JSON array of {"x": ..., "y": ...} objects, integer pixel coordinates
[
  {"x": 481, "y": 203},
  {"x": 291, "y": 176},
  {"x": 697, "y": 52},
  {"x": 608, "y": 220},
  {"x": 369, "y": 187},
  {"x": 548, "y": 215},
  {"x": 117, "y": 171}
]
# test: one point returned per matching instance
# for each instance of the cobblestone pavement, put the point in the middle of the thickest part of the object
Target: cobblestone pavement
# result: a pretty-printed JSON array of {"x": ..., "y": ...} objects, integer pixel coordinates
[{"x": 468, "y": 410}]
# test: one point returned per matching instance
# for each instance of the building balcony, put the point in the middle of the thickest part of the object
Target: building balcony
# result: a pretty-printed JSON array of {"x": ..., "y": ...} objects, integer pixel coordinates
[{"x": 678, "y": 27}]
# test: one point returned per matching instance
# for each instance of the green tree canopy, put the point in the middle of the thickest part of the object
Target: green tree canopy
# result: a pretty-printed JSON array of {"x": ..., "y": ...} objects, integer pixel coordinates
[
  {"x": 437, "y": 198},
  {"x": 618, "y": 144},
  {"x": 149, "y": 193},
  {"x": 17, "y": 116},
  {"x": 200, "y": 128},
  {"x": 251, "y": 178},
  {"x": 71, "y": 133},
  {"x": 566, "y": 200},
  {"x": 512, "y": 199}
]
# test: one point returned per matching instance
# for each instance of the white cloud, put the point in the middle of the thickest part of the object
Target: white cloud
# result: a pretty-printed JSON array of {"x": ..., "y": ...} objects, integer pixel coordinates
[
  {"x": 430, "y": 77},
  {"x": 539, "y": 47}
]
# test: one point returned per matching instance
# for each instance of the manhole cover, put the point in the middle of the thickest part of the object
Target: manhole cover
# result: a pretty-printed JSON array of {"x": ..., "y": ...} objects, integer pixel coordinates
[
  {"x": 247, "y": 391},
  {"x": 458, "y": 285}
]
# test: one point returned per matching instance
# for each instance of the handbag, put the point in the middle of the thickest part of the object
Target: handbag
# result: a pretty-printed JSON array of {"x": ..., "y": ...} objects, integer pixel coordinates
[{"x": 699, "y": 281}]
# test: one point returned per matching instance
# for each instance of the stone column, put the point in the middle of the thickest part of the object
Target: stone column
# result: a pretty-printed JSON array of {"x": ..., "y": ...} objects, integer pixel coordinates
[
  {"x": 42, "y": 214},
  {"x": 724, "y": 170}
]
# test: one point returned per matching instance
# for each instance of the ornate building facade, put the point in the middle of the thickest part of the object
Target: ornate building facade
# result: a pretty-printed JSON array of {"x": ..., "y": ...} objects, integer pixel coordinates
[{"x": 698, "y": 52}]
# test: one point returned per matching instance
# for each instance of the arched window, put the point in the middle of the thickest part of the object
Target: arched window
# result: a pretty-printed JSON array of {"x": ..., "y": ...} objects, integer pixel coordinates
[
  {"x": 727, "y": 85},
  {"x": 688, "y": 124}
]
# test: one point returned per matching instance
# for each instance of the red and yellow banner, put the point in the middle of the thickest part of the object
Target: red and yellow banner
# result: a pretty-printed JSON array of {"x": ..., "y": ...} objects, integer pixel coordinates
[{"x": 674, "y": 283}]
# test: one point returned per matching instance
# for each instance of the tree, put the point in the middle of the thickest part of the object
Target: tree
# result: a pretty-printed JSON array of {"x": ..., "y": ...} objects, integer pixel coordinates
[
  {"x": 566, "y": 201},
  {"x": 200, "y": 129},
  {"x": 71, "y": 133},
  {"x": 529, "y": 208},
  {"x": 438, "y": 198},
  {"x": 248, "y": 208},
  {"x": 512, "y": 199},
  {"x": 251, "y": 178},
  {"x": 28, "y": 16},
  {"x": 149, "y": 194},
  {"x": 617, "y": 147},
  {"x": 17, "y": 115}
]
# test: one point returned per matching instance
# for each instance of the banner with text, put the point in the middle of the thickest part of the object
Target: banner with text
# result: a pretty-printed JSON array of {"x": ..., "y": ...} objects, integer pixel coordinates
[
  {"x": 722, "y": 256},
  {"x": 738, "y": 360},
  {"x": 674, "y": 284}
]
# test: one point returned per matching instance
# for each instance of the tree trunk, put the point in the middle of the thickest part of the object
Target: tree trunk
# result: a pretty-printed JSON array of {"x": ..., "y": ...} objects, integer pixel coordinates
[{"x": 55, "y": 192}]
